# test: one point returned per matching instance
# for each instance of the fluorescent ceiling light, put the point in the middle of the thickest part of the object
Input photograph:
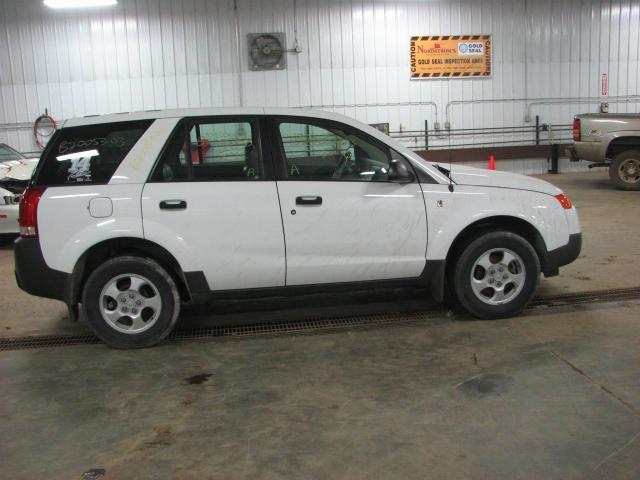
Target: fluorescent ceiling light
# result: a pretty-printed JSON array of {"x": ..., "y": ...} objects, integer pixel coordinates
[
  {"x": 79, "y": 3},
  {"x": 72, "y": 156}
]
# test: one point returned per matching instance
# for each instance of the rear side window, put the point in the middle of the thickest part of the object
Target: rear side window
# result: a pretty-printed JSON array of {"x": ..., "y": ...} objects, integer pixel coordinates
[
  {"x": 90, "y": 154},
  {"x": 210, "y": 151}
]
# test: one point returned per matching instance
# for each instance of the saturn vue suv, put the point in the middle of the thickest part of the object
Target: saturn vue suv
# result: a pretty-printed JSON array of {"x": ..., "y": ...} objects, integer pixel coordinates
[{"x": 129, "y": 216}]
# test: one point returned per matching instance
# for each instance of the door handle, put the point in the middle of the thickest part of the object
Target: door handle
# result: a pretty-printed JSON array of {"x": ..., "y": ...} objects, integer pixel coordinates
[
  {"x": 309, "y": 200},
  {"x": 173, "y": 205}
]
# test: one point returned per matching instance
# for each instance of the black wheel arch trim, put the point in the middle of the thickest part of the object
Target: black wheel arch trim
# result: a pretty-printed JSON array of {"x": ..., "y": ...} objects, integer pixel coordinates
[
  {"x": 133, "y": 246},
  {"x": 34, "y": 276}
]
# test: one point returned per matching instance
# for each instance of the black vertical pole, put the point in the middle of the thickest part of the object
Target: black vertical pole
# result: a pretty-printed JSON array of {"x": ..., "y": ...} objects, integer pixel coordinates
[
  {"x": 426, "y": 134},
  {"x": 555, "y": 153},
  {"x": 537, "y": 129}
]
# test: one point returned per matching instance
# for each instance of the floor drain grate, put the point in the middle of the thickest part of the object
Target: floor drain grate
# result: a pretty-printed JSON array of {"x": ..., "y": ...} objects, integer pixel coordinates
[{"x": 320, "y": 324}]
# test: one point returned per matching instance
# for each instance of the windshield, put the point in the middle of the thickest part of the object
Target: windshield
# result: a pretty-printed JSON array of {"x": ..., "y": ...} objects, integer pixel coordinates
[{"x": 8, "y": 154}]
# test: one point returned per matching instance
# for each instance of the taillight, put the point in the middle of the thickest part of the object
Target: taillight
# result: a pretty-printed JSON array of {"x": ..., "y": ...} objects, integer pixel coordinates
[
  {"x": 564, "y": 201},
  {"x": 28, "y": 212},
  {"x": 576, "y": 129}
]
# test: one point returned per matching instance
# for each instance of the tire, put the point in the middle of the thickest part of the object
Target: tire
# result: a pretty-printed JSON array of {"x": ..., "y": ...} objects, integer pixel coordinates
[
  {"x": 624, "y": 171},
  {"x": 141, "y": 288},
  {"x": 488, "y": 288}
]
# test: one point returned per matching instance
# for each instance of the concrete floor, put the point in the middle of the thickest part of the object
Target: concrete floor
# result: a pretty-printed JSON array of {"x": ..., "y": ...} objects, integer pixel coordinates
[{"x": 546, "y": 395}]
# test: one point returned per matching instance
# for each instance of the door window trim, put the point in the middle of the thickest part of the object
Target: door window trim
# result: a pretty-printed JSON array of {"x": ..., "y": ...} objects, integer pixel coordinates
[{"x": 183, "y": 128}]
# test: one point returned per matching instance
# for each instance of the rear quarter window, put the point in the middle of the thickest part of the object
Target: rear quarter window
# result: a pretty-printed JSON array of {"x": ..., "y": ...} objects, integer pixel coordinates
[{"x": 88, "y": 154}]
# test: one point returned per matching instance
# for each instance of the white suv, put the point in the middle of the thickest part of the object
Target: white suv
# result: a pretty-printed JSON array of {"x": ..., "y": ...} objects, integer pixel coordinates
[{"x": 131, "y": 215}]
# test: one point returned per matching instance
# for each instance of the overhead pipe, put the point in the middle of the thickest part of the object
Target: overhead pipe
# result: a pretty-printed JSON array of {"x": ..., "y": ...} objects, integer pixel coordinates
[
  {"x": 237, "y": 33},
  {"x": 16, "y": 126},
  {"x": 553, "y": 101},
  {"x": 466, "y": 102},
  {"x": 371, "y": 105},
  {"x": 532, "y": 102}
]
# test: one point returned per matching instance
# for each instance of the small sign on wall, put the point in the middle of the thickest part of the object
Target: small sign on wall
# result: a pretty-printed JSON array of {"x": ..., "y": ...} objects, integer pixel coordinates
[
  {"x": 450, "y": 56},
  {"x": 383, "y": 127}
]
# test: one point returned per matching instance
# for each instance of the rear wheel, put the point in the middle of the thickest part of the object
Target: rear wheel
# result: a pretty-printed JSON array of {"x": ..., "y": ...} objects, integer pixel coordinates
[
  {"x": 624, "y": 171},
  {"x": 496, "y": 275},
  {"x": 131, "y": 302}
]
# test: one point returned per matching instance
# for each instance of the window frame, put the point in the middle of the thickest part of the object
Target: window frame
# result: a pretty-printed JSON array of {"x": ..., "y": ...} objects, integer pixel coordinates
[
  {"x": 280, "y": 158},
  {"x": 183, "y": 129},
  {"x": 35, "y": 177},
  {"x": 4, "y": 146}
]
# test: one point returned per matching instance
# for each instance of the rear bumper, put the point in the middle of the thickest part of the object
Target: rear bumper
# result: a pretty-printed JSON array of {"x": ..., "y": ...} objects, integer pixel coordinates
[
  {"x": 573, "y": 155},
  {"x": 563, "y": 255},
  {"x": 33, "y": 274},
  {"x": 588, "y": 151}
]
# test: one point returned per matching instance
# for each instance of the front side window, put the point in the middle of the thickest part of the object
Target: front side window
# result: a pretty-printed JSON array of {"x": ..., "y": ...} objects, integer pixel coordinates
[
  {"x": 90, "y": 154},
  {"x": 211, "y": 151},
  {"x": 314, "y": 152}
]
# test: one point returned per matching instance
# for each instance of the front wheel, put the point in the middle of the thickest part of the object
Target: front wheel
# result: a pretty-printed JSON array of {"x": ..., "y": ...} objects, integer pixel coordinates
[
  {"x": 624, "y": 171},
  {"x": 496, "y": 275},
  {"x": 131, "y": 302}
]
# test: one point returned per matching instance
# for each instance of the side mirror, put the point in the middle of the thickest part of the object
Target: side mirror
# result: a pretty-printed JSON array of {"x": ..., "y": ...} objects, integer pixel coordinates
[{"x": 399, "y": 172}]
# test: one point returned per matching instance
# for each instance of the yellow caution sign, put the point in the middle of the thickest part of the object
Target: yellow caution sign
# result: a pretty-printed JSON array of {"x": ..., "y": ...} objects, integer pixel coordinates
[{"x": 450, "y": 56}]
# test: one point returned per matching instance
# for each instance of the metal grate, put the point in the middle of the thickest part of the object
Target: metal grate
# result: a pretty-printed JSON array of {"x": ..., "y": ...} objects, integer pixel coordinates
[{"x": 320, "y": 324}]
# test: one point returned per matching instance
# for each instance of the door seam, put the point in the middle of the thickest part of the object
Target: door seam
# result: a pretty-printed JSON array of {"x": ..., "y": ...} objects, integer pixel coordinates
[{"x": 284, "y": 235}]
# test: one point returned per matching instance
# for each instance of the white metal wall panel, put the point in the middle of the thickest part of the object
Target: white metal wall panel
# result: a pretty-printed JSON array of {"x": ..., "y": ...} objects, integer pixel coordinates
[{"x": 149, "y": 54}]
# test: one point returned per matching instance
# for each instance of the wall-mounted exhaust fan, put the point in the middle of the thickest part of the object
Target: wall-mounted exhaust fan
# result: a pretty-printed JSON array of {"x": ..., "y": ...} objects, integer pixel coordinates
[{"x": 267, "y": 51}]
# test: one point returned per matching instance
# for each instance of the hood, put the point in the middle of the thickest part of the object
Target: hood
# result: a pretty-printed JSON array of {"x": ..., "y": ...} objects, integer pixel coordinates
[
  {"x": 491, "y": 178},
  {"x": 17, "y": 170}
]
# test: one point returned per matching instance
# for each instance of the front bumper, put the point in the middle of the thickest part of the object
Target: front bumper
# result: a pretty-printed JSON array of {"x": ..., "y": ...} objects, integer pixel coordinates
[
  {"x": 563, "y": 255},
  {"x": 33, "y": 274}
]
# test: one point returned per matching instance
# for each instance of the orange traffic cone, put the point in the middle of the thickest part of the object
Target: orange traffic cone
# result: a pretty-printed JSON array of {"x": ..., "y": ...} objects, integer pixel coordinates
[{"x": 492, "y": 163}]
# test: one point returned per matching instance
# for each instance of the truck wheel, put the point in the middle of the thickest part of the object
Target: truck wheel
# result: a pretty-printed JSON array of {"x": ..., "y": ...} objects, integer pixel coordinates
[
  {"x": 624, "y": 170},
  {"x": 496, "y": 275},
  {"x": 131, "y": 302}
]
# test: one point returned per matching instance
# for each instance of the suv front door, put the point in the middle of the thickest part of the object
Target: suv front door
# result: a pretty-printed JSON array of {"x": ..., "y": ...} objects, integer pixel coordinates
[
  {"x": 213, "y": 203},
  {"x": 344, "y": 219}
]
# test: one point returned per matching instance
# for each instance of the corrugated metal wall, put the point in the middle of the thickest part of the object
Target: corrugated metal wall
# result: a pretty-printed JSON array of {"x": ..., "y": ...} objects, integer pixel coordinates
[{"x": 150, "y": 54}]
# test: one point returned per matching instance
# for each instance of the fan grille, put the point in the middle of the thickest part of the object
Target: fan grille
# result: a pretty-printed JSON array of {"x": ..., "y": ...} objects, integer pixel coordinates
[{"x": 267, "y": 51}]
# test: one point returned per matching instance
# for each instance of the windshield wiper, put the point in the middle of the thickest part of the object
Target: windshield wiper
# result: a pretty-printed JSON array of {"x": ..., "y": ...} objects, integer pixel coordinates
[{"x": 443, "y": 170}]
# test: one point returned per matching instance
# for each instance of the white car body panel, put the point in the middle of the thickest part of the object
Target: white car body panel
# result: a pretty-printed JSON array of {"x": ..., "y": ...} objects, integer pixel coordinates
[
  {"x": 17, "y": 170},
  {"x": 232, "y": 231},
  {"x": 13, "y": 170},
  {"x": 469, "y": 204},
  {"x": 362, "y": 231},
  {"x": 65, "y": 220},
  {"x": 139, "y": 161},
  {"x": 464, "y": 175},
  {"x": 8, "y": 214}
]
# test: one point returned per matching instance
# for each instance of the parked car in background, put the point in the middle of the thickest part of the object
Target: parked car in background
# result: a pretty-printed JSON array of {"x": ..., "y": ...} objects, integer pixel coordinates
[
  {"x": 611, "y": 140},
  {"x": 9, "y": 154},
  {"x": 15, "y": 172},
  {"x": 130, "y": 216}
]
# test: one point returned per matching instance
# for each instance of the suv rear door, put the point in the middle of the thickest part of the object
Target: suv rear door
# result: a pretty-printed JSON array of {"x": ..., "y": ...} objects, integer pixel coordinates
[
  {"x": 343, "y": 219},
  {"x": 212, "y": 202}
]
